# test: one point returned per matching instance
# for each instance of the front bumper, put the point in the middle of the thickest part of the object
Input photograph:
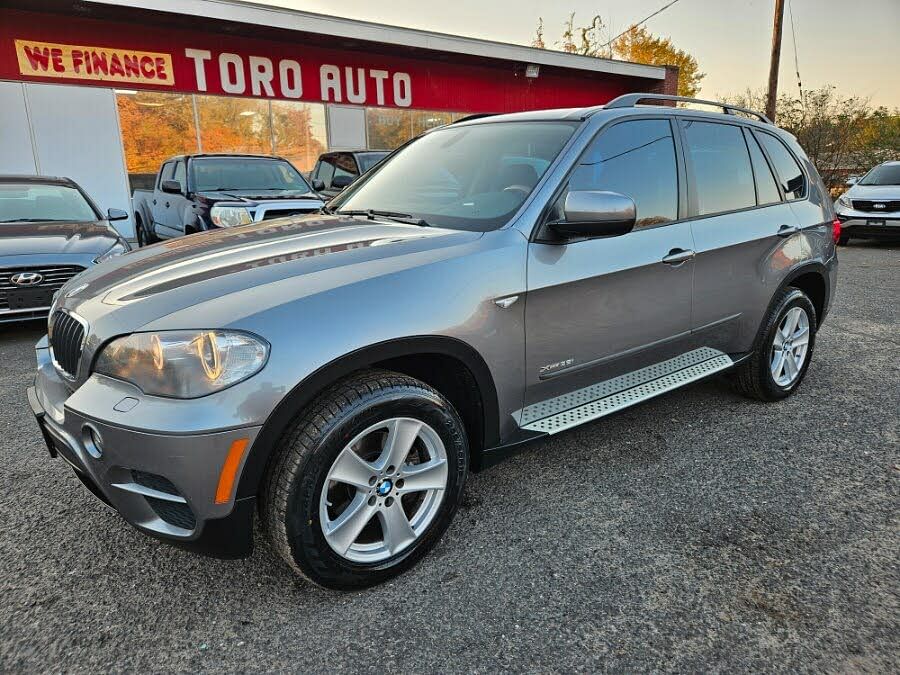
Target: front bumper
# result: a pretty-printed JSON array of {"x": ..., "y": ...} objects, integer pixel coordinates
[
  {"x": 163, "y": 484},
  {"x": 870, "y": 225}
]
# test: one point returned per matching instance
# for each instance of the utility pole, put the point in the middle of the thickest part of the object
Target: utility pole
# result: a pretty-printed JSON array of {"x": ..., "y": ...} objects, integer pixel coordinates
[{"x": 772, "y": 98}]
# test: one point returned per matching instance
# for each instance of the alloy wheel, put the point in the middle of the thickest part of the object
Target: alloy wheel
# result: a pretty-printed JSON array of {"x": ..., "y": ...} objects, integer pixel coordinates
[
  {"x": 383, "y": 490},
  {"x": 790, "y": 347}
]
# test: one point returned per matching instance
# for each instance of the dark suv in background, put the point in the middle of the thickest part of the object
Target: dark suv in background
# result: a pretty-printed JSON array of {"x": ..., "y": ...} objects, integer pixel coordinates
[
  {"x": 334, "y": 171},
  {"x": 492, "y": 282}
]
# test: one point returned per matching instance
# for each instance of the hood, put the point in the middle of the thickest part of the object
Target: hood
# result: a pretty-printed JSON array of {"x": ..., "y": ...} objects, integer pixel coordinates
[
  {"x": 256, "y": 195},
  {"x": 134, "y": 289},
  {"x": 56, "y": 237},
  {"x": 874, "y": 192}
]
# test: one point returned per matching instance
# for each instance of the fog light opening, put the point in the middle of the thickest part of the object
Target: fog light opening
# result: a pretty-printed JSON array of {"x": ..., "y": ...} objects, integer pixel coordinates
[{"x": 92, "y": 441}]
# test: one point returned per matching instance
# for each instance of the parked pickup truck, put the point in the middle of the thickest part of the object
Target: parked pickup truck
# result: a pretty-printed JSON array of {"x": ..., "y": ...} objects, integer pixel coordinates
[{"x": 193, "y": 193}]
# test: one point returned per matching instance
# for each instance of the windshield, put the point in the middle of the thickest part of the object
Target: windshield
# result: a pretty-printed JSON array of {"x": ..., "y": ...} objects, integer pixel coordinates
[
  {"x": 246, "y": 174},
  {"x": 24, "y": 202},
  {"x": 467, "y": 177},
  {"x": 885, "y": 174}
]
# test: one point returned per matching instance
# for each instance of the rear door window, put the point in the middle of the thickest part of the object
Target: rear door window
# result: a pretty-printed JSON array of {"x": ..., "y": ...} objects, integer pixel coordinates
[
  {"x": 636, "y": 159},
  {"x": 790, "y": 175},
  {"x": 723, "y": 179},
  {"x": 766, "y": 187}
]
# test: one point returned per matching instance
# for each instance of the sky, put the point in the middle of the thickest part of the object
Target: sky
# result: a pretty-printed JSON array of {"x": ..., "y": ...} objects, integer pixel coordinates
[{"x": 851, "y": 45}]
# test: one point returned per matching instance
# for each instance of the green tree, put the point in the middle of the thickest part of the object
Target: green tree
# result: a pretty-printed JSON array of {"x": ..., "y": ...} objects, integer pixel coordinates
[
  {"x": 636, "y": 44},
  {"x": 639, "y": 45}
]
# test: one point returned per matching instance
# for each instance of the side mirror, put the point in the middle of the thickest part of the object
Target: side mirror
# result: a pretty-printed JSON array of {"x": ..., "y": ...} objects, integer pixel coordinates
[
  {"x": 340, "y": 182},
  {"x": 318, "y": 185},
  {"x": 171, "y": 186},
  {"x": 116, "y": 214},
  {"x": 852, "y": 180},
  {"x": 595, "y": 213}
]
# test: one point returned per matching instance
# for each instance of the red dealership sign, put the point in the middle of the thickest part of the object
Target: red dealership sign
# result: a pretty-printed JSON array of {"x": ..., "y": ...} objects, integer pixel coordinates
[{"x": 70, "y": 50}]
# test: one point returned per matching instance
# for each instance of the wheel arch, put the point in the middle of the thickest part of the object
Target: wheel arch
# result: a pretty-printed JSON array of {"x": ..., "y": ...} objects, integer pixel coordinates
[
  {"x": 425, "y": 357},
  {"x": 812, "y": 279}
]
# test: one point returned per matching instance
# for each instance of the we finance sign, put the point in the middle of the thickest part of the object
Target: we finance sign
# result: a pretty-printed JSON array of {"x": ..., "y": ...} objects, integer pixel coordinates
[
  {"x": 48, "y": 59},
  {"x": 199, "y": 70}
]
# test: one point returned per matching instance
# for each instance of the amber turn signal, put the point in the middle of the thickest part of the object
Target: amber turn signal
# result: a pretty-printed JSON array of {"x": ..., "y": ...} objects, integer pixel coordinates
[{"x": 229, "y": 470}]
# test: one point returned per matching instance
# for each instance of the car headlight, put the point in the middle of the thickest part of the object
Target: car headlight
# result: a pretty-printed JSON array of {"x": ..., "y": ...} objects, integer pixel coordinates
[
  {"x": 184, "y": 363},
  {"x": 844, "y": 201},
  {"x": 230, "y": 216},
  {"x": 118, "y": 248}
]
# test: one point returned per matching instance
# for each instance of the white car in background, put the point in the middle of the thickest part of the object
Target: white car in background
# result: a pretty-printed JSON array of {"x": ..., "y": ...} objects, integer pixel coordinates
[{"x": 870, "y": 209}]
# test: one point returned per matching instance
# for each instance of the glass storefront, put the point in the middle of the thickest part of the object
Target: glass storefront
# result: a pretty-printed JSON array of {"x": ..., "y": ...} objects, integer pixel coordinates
[
  {"x": 156, "y": 126},
  {"x": 231, "y": 124},
  {"x": 299, "y": 132},
  {"x": 388, "y": 128}
]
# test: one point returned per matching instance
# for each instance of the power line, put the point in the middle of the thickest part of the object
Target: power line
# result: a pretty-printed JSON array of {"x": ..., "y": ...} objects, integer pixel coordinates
[
  {"x": 635, "y": 25},
  {"x": 796, "y": 60}
]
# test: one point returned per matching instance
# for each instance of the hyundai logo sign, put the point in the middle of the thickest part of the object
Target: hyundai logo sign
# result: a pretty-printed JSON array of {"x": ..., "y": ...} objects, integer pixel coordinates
[{"x": 27, "y": 279}]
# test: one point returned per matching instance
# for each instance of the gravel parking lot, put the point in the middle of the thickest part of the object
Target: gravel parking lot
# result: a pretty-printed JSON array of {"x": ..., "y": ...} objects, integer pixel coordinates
[{"x": 699, "y": 531}]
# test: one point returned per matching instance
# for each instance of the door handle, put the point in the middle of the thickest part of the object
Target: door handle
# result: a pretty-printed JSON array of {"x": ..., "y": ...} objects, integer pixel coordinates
[
  {"x": 678, "y": 256},
  {"x": 788, "y": 230}
]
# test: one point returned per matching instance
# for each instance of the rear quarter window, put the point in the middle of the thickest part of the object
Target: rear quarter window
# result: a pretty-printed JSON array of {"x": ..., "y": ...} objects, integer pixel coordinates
[
  {"x": 766, "y": 187},
  {"x": 790, "y": 175}
]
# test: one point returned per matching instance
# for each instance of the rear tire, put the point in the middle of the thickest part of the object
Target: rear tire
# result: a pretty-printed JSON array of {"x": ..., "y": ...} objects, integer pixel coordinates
[
  {"x": 342, "y": 464},
  {"x": 783, "y": 350},
  {"x": 144, "y": 237}
]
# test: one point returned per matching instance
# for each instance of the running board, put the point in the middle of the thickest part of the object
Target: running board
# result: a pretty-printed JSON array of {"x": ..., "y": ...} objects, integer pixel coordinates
[{"x": 601, "y": 399}]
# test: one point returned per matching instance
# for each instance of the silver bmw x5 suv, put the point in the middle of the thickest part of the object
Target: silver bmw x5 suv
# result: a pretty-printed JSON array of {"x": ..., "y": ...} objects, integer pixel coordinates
[{"x": 490, "y": 283}]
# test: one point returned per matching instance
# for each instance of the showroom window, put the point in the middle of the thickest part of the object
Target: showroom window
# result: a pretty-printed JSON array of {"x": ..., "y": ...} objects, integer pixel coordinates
[
  {"x": 388, "y": 128},
  {"x": 299, "y": 132},
  {"x": 154, "y": 127},
  {"x": 423, "y": 120},
  {"x": 232, "y": 124}
]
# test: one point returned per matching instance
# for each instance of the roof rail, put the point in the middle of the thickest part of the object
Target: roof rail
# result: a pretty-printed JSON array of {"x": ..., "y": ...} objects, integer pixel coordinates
[
  {"x": 631, "y": 100},
  {"x": 475, "y": 116}
]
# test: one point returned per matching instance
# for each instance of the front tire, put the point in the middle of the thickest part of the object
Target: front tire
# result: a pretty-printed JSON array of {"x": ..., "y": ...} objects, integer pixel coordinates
[
  {"x": 366, "y": 480},
  {"x": 782, "y": 351}
]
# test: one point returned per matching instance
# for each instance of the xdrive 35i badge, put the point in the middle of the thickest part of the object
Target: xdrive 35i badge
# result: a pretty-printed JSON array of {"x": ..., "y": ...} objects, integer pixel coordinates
[{"x": 553, "y": 367}]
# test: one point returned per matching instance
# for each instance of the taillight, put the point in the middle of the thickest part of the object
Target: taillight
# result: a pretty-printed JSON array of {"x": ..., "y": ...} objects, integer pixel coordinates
[{"x": 836, "y": 230}]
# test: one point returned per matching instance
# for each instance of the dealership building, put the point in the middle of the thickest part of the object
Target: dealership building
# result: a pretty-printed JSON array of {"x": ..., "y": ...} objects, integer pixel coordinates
[{"x": 102, "y": 92}]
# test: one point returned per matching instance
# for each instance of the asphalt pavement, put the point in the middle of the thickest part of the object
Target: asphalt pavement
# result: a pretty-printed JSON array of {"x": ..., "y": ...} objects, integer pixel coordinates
[{"x": 696, "y": 532}]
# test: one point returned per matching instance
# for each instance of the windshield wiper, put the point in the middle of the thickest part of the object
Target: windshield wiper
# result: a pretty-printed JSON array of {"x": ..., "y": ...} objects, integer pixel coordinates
[{"x": 372, "y": 214}]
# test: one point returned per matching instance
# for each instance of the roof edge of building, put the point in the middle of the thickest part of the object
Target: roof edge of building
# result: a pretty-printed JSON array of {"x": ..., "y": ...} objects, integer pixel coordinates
[{"x": 309, "y": 22}]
